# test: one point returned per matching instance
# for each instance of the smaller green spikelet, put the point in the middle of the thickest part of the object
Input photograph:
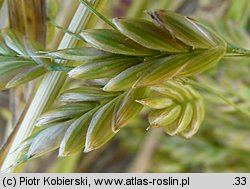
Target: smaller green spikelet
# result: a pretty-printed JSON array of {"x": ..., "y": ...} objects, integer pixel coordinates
[
  {"x": 18, "y": 61},
  {"x": 114, "y": 42},
  {"x": 100, "y": 129},
  {"x": 75, "y": 136},
  {"x": 183, "y": 29},
  {"x": 147, "y": 34},
  {"x": 177, "y": 108},
  {"x": 106, "y": 67}
]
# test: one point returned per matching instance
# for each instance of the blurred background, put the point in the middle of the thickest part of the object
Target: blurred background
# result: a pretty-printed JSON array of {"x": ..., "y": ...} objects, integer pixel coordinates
[{"x": 223, "y": 141}]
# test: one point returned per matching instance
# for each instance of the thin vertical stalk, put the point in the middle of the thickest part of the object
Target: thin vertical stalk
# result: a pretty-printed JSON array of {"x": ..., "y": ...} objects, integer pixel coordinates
[
  {"x": 142, "y": 160},
  {"x": 63, "y": 19},
  {"x": 29, "y": 18},
  {"x": 3, "y": 15},
  {"x": 52, "y": 82}
]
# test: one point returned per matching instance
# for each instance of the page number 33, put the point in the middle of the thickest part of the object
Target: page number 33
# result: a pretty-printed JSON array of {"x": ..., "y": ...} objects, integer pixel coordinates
[{"x": 240, "y": 181}]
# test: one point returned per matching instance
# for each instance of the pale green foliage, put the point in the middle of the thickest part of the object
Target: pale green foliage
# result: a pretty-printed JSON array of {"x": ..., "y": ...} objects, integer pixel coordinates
[
  {"x": 18, "y": 63},
  {"x": 181, "y": 112},
  {"x": 137, "y": 60}
]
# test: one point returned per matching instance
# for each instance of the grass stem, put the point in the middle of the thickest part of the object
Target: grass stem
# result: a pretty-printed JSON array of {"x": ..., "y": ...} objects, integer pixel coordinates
[{"x": 218, "y": 94}]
